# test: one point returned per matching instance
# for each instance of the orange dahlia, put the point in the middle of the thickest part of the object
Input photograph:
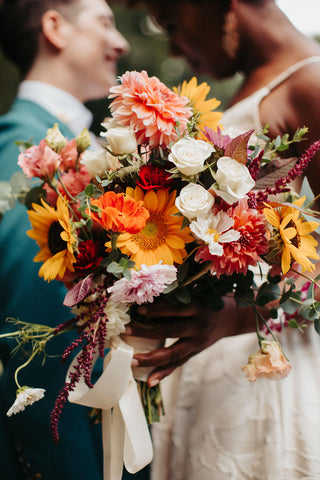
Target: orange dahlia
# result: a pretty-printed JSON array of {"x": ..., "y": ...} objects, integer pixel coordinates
[
  {"x": 162, "y": 237},
  {"x": 150, "y": 108},
  {"x": 119, "y": 213}
]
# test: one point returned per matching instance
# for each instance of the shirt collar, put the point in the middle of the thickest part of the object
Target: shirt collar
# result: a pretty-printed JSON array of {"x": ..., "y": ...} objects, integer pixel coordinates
[{"x": 64, "y": 106}]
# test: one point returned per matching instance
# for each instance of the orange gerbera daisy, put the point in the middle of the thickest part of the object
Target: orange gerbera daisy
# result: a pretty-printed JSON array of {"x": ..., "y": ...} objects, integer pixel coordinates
[
  {"x": 202, "y": 109},
  {"x": 293, "y": 235},
  {"x": 162, "y": 238},
  {"x": 119, "y": 213},
  {"x": 52, "y": 230},
  {"x": 150, "y": 108}
]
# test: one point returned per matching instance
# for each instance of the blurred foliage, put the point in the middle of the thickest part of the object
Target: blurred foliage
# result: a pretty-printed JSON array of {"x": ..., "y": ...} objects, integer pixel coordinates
[{"x": 149, "y": 51}]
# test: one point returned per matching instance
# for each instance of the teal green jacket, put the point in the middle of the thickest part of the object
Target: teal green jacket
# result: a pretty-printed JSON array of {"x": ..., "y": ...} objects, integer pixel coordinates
[{"x": 26, "y": 448}]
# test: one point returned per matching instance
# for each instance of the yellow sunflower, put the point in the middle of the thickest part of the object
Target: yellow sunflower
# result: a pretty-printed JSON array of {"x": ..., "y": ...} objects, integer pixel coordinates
[
  {"x": 52, "y": 231},
  {"x": 162, "y": 238},
  {"x": 202, "y": 108},
  {"x": 293, "y": 235}
]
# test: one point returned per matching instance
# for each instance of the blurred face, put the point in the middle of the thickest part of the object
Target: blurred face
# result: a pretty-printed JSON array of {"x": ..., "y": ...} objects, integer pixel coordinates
[
  {"x": 195, "y": 32},
  {"x": 93, "y": 48}
]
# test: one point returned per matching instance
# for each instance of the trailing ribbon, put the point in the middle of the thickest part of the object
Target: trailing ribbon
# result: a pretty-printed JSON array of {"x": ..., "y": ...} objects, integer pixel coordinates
[{"x": 125, "y": 434}]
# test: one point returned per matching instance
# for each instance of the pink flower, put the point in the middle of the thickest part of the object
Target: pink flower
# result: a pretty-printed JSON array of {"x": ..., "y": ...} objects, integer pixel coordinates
[
  {"x": 75, "y": 182},
  {"x": 268, "y": 362},
  {"x": 239, "y": 255},
  {"x": 145, "y": 284},
  {"x": 51, "y": 196},
  {"x": 149, "y": 108},
  {"x": 39, "y": 161},
  {"x": 69, "y": 155}
]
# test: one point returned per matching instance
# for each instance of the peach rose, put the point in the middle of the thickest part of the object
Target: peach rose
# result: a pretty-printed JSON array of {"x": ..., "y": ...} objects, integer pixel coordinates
[{"x": 268, "y": 362}]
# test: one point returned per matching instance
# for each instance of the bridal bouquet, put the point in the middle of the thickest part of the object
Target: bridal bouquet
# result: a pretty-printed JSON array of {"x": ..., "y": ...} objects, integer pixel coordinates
[{"x": 172, "y": 206}]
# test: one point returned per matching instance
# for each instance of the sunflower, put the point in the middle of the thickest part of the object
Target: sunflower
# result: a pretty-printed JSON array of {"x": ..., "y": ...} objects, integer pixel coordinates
[
  {"x": 292, "y": 235},
  {"x": 162, "y": 238},
  {"x": 202, "y": 108},
  {"x": 52, "y": 230}
]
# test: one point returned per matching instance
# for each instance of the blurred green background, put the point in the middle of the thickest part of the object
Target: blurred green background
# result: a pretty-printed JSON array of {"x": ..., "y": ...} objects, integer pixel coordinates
[{"x": 149, "y": 51}]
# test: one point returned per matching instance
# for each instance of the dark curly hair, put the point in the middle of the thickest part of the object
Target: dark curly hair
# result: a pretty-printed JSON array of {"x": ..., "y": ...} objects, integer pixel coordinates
[{"x": 20, "y": 27}]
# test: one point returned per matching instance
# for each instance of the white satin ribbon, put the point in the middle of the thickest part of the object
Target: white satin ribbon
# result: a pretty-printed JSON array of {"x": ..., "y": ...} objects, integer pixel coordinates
[{"x": 125, "y": 433}]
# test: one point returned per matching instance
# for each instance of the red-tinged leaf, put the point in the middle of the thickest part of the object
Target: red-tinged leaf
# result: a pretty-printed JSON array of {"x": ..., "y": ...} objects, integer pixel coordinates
[
  {"x": 270, "y": 173},
  {"x": 237, "y": 148},
  {"x": 78, "y": 292}
]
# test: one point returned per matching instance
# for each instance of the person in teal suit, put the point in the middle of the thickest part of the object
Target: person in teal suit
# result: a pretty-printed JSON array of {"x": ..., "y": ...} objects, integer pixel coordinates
[{"x": 66, "y": 51}]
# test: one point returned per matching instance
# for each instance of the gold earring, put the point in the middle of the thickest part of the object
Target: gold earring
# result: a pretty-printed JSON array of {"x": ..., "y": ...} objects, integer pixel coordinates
[{"x": 230, "y": 39}]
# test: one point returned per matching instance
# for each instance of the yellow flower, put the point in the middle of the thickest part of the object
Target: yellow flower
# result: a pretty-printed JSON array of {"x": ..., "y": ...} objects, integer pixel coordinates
[
  {"x": 52, "y": 231},
  {"x": 162, "y": 238},
  {"x": 293, "y": 235},
  {"x": 202, "y": 108}
]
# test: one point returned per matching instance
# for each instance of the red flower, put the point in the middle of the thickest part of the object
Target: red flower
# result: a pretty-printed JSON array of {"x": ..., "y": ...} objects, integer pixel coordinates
[
  {"x": 246, "y": 251},
  {"x": 152, "y": 178},
  {"x": 88, "y": 258}
]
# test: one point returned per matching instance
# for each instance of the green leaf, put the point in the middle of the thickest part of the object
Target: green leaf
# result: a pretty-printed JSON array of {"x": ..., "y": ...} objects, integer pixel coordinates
[
  {"x": 273, "y": 313},
  {"x": 183, "y": 295},
  {"x": 291, "y": 305},
  {"x": 293, "y": 323},
  {"x": 266, "y": 293},
  {"x": 182, "y": 272},
  {"x": 275, "y": 279},
  {"x": 89, "y": 190},
  {"x": 286, "y": 295},
  {"x": 171, "y": 287},
  {"x": 317, "y": 325}
]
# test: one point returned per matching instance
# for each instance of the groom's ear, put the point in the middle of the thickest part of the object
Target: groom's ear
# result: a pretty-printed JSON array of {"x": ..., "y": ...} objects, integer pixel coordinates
[{"x": 55, "y": 29}]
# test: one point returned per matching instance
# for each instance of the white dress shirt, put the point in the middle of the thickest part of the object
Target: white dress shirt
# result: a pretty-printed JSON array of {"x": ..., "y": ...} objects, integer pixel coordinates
[{"x": 61, "y": 104}]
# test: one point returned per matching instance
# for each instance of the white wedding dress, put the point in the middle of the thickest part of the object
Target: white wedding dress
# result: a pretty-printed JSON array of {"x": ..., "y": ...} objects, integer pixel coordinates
[{"x": 218, "y": 425}]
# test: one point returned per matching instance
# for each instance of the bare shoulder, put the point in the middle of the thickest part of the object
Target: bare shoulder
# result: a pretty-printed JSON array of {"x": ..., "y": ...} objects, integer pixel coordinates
[{"x": 304, "y": 94}]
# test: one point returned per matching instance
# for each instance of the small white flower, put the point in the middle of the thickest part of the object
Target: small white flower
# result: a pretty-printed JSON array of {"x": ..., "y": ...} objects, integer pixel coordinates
[
  {"x": 122, "y": 140},
  {"x": 194, "y": 201},
  {"x": 215, "y": 230},
  {"x": 25, "y": 396},
  {"x": 99, "y": 161},
  {"x": 233, "y": 179},
  {"x": 189, "y": 155},
  {"x": 118, "y": 316}
]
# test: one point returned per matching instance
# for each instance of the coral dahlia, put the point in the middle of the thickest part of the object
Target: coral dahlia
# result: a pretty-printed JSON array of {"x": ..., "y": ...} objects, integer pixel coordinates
[{"x": 149, "y": 108}]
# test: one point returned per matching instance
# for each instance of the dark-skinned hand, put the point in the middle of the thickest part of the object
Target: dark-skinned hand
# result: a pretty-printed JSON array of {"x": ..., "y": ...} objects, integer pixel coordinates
[{"x": 194, "y": 326}]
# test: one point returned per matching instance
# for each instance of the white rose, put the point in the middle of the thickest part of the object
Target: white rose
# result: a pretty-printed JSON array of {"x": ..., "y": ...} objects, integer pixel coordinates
[
  {"x": 189, "y": 155},
  {"x": 99, "y": 161},
  {"x": 194, "y": 201},
  {"x": 109, "y": 122},
  {"x": 122, "y": 140},
  {"x": 233, "y": 179}
]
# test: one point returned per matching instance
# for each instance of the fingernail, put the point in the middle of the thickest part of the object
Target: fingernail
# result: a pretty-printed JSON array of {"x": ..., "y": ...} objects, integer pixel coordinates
[
  {"x": 153, "y": 382},
  {"x": 135, "y": 362}
]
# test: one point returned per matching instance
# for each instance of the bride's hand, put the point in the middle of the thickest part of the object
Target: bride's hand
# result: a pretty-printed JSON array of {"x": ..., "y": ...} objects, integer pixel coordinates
[{"x": 194, "y": 326}]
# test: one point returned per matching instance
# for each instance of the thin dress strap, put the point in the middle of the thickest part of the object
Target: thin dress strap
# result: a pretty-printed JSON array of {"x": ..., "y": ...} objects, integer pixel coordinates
[
  {"x": 290, "y": 70},
  {"x": 277, "y": 81}
]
